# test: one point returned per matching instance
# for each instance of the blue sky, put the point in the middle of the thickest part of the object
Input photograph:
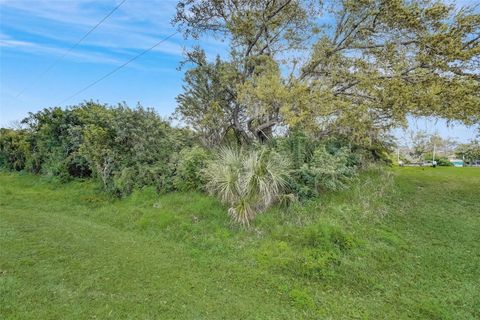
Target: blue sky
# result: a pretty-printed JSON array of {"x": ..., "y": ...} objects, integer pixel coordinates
[{"x": 34, "y": 33}]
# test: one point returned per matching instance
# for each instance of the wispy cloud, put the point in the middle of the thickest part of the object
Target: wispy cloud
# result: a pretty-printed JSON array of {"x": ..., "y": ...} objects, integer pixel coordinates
[
  {"x": 136, "y": 25},
  {"x": 67, "y": 21},
  {"x": 15, "y": 43},
  {"x": 37, "y": 49}
]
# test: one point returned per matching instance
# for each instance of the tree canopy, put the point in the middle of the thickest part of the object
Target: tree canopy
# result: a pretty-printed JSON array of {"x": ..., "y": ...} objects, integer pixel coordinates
[{"x": 344, "y": 67}]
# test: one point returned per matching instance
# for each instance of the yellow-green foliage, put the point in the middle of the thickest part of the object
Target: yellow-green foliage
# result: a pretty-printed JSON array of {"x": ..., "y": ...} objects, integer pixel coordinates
[
  {"x": 357, "y": 74},
  {"x": 14, "y": 149}
]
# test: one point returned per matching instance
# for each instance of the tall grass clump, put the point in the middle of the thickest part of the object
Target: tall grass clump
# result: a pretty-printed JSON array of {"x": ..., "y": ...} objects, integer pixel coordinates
[{"x": 248, "y": 181}]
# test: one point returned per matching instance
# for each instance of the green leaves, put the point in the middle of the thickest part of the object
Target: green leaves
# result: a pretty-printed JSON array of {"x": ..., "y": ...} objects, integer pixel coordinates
[
  {"x": 132, "y": 149},
  {"x": 189, "y": 169},
  {"x": 371, "y": 65},
  {"x": 207, "y": 102},
  {"x": 14, "y": 149},
  {"x": 124, "y": 148}
]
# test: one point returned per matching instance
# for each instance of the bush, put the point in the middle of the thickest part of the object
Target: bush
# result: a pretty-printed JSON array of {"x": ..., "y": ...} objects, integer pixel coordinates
[
  {"x": 124, "y": 148},
  {"x": 444, "y": 162},
  {"x": 189, "y": 169},
  {"x": 14, "y": 149},
  {"x": 329, "y": 171},
  {"x": 248, "y": 181},
  {"x": 318, "y": 166},
  {"x": 131, "y": 148},
  {"x": 54, "y": 139}
]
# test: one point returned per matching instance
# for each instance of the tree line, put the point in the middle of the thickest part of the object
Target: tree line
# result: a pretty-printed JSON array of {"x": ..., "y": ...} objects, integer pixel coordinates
[
  {"x": 422, "y": 146},
  {"x": 127, "y": 148}
]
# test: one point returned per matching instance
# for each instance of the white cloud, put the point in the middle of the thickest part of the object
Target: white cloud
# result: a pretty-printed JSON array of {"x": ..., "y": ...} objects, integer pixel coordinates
[
  {"x": 35, "y": 48},
  {"x": 15, "y": 43},
  {"x": 136, "y": 25}
]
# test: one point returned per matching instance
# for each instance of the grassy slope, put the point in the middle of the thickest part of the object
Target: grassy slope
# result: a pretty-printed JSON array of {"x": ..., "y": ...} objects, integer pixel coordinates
[{"x": 401, "y": 245}]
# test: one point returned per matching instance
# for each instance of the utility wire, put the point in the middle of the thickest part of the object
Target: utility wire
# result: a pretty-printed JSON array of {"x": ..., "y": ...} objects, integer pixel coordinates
[
  {"x": 118, "y": 68},
  {"x": 51, "y": 66}
]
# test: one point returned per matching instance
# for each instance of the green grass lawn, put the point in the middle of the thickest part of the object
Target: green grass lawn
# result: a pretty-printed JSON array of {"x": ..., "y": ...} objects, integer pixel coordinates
[{"x": 399, "y": 244}]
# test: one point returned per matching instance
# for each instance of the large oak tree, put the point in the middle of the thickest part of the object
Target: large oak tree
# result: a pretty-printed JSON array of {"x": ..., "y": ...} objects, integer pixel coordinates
[{"x": 350, "y": 67}]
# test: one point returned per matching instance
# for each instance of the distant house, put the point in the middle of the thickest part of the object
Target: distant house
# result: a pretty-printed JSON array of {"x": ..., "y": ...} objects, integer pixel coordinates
[{"x": 456, "y": 162}]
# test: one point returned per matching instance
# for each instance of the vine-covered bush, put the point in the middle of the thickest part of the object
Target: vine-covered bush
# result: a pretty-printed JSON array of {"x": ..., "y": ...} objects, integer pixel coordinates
[
  {"x": 54, "y": 137},
  {"x": 124, "y": 148},
  {"x": 131, "y": 148},
  {"x": 327, "y": 171}
]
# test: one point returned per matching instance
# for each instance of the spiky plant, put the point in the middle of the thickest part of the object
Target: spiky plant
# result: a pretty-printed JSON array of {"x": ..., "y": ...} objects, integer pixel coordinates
[
  {"x": 248, "y": 181},
  {"x": 223, "y": 174}
]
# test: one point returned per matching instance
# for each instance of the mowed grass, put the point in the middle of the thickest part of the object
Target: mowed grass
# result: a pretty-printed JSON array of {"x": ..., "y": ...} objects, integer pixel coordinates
[{"x": 399, "y": 244}]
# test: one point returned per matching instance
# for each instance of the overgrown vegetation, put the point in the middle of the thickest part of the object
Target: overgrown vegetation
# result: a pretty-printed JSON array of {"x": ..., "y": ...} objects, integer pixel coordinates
[
  {"x": 321, "y": 165},
  {"x": 127, "y": 149},
  {"x": 291, "y": 133},
  {"x": 307, "y": 104},
  {"x": 124, "y": 148}
]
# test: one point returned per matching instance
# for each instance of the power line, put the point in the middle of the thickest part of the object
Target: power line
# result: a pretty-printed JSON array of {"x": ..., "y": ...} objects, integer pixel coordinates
[
  {"x": 118, "y": 68},
  {"x": 51, "y": 66}
]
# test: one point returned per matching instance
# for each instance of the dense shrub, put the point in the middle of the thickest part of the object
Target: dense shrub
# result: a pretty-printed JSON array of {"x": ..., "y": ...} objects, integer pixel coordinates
[
  {"x": 124, "y": 148},
  {"x": 189, "y": 173},
  {"x": 444, "y": 162},
  {"x": 131, "y": 149},
  {"x": 319, "y": 165},
  {"x": 327, "y": 171},
  {"x": 55, "y": 136},
  {"x": 14, "y": 149},
  {"x": 52, "y": 144}
]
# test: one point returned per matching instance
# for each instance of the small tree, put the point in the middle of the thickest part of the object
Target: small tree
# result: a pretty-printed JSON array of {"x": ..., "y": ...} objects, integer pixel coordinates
[{"x": 420, "y": 145}]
